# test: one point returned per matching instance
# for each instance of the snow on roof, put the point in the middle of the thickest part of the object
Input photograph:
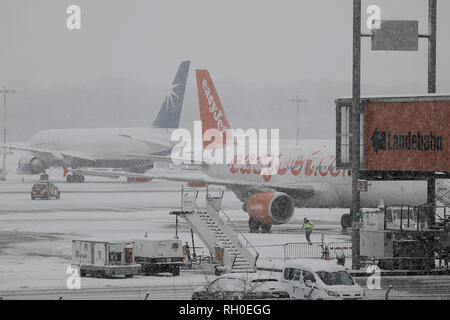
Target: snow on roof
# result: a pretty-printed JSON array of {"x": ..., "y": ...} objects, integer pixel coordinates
[
  {"x": 104, "y": 240},
  {"x": 252, "y": 275},
  {"x": 315, "y": 264},
  {"x": 152, "y": 239}
]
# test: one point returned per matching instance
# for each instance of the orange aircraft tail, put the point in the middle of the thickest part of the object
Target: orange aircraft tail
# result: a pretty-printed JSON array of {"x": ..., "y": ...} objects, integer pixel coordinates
[{"x": 211, "y": 110}]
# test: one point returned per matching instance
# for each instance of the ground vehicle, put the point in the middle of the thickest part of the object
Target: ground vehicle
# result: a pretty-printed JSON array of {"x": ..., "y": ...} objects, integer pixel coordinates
[
  {"x": 45, "y": 190},
  {"x": 104, "y": 259},
  {"x": 319, "y": 280},
  {"x": 159, "y": 255},
  {"x": 238, "y": 286}
]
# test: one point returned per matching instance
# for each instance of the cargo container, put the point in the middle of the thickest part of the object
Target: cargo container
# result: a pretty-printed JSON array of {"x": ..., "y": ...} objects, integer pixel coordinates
[
  {"x": 104, "y": 258},
  {"x": 157, "y": 256}
]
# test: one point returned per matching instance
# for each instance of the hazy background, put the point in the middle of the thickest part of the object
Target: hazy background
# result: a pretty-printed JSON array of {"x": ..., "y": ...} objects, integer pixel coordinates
[{"x": 117, "y": 69}]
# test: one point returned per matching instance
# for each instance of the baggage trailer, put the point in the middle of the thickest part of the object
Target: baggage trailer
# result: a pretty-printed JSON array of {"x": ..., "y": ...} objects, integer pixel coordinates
[
  {"x": 104, "y": 259},
  {"x": 156, "y": 256}
]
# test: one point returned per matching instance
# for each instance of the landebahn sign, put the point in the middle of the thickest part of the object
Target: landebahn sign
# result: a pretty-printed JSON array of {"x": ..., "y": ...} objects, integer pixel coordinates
[{"x": 408, "y": 135}]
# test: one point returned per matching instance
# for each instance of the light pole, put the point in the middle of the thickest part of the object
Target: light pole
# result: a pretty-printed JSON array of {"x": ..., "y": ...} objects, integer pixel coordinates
[
  {"x": 355, "y": 132},
  {"x": 5, "y": 92},
  {"x": 297, "y": 100}
]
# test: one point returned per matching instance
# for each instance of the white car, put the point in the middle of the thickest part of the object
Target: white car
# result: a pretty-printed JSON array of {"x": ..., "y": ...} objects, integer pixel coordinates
[
  {"x": 319, "y": 279},
  {"x": 241, "y": 286}
]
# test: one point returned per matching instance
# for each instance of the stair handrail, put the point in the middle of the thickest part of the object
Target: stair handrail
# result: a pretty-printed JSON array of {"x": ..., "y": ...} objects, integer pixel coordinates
[
  {"x": 237, "y": 233},
  {"x": 228, "y": 244}
]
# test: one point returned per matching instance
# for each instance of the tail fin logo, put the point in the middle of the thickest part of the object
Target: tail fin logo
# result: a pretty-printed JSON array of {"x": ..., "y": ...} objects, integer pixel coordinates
[
  {"x": 217, "y": 114},
  {"x": 211, "y": 110},
  {"x": 170, "y": 111},
  {"x": 170, "y": 97}
]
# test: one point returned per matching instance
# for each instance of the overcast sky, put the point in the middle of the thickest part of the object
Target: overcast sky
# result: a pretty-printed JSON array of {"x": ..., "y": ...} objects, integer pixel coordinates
[{"x": 249, "y": 44}]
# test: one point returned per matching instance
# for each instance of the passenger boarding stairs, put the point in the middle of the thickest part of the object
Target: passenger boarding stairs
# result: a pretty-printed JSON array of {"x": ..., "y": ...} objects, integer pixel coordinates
[{"x": 216, "y": 229}]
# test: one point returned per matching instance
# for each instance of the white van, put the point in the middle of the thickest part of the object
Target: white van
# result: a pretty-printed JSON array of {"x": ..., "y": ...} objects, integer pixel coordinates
[{"x": 319, "y": 279}]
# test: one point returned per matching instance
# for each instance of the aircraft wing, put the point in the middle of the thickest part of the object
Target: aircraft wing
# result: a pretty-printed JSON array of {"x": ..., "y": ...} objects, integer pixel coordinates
[
  {"x": 57, "y": 154},
  {"x": 169, "y": 159},
  {"x": 152, "y": 157},
  {"x": 304, "y": 190},
  {"x": 150, "y": 141}
]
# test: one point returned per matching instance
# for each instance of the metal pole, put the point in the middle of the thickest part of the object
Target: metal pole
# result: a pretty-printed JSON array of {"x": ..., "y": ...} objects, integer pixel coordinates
[
  {"x": 432, "y": 20},
  {"x": 5, "y": 92},
  {"x": 297, "y": 100},
  {"x": 4, "y": 115},
  {"x": 355, "y": 126},
  {"x": 296, "y": 143},
  {"x": 3, "y": 173},
  {"x": 176, "y": 226},
  {"x": 194, "y": 255}
]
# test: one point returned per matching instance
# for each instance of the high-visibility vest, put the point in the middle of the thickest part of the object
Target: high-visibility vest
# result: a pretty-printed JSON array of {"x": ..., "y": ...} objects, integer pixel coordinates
[{"x": 308, "y": 225}]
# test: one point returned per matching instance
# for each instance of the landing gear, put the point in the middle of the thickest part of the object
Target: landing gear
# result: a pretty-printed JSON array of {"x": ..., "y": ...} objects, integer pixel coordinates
[
  {"x": 75, "y": 178},
  {"x": 265, "y": 228},
  {"x": 346, "y": 221},
  {"x": 254, "y": 225},
  {"x": 176, "y": 271}
]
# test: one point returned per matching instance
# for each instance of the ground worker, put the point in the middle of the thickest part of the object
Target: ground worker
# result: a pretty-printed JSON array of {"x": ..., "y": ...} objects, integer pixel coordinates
[
  {"x": 308, "y": 226},
  {"x": 186, "y": 252}
]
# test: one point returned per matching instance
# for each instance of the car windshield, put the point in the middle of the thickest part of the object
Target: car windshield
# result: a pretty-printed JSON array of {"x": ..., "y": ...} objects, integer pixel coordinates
[{"x": 335, "y": 278}]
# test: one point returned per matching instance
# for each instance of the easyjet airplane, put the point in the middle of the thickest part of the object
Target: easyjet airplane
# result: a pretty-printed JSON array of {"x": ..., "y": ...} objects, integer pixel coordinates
[{"x": 305, "y": 178}]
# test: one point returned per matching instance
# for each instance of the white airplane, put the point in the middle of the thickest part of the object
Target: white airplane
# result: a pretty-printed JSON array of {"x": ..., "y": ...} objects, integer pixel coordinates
[
  {"x": 106, "y": 147},
  {"x": 305, "y": 178}
]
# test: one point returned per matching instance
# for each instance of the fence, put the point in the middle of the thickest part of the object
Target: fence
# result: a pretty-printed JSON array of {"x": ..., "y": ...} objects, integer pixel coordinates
[
  {"x": 316, "y": 250},
  {"x": 337, "y": 248}
]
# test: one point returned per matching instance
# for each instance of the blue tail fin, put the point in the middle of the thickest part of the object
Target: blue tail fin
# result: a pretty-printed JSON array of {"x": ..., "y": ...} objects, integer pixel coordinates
[{"x": 169, "y": 114}]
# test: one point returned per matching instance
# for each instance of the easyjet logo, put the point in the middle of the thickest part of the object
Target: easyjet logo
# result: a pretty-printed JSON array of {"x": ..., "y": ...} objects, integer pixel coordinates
[
  {"x": 296, "y": 166},
  {"x": 217, "y": 114}
]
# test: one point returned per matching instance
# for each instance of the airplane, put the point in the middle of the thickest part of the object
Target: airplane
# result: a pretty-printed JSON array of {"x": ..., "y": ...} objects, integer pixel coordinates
[
  {"x": 106, "y": 147},
  {"x": 305, "y": 178}
]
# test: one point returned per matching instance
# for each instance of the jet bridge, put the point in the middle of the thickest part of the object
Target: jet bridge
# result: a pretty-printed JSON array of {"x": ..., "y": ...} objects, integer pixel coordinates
[{"x": 218, "y": 232}]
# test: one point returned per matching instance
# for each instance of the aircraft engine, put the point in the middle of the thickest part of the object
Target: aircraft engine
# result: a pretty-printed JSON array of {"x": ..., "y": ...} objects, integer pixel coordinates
[
  {"x": 37, "y": 166},
  {"x": 270, "y": 207}
]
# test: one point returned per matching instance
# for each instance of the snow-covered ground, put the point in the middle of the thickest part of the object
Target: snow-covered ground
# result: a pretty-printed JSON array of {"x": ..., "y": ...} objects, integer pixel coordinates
[
  {"x": 35, "y": 246},
  {"x": 35, "y": 242},
  {"x": 35, "y": 237}
]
